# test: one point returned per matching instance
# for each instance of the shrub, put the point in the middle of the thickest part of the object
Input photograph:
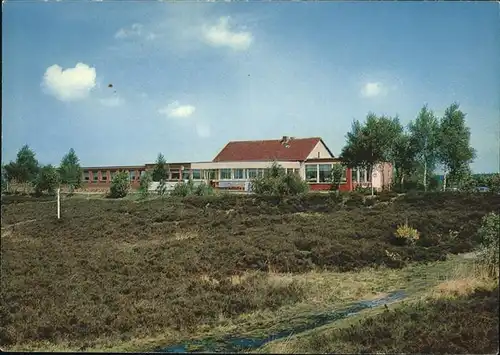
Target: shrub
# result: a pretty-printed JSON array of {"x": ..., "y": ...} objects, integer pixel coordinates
[
  {"x": 162, "y": 187},
  {"x": 494, "y": 183},
  {"x": 203, "y": 189},
  {"x": 46, "y": 180},
  {"x": 278, "y": 183},
  {"x": 489, "y": 239},
  {"x": 146, "y": 180},
  {"x": 406, "y": 233},
  {"x": 119, "y": 185},
  {"x": 183, "y": 189}
]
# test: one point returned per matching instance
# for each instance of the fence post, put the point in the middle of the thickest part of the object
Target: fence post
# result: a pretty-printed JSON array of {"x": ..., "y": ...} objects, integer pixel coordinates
[{"x": 58, "y": 203}]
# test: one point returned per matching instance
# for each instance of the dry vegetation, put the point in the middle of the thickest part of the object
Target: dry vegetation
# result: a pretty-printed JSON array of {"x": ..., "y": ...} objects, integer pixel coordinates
[{"x": 122, "y": 269}]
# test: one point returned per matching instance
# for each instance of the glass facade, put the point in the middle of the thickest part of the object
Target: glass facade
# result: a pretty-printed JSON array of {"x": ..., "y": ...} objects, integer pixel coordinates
[
  {"x": 239, "y": 174},
  {"x": 325, "y": 172},
  {"x": 311, "y": 173},
  {"x": 225, "y": 174}
]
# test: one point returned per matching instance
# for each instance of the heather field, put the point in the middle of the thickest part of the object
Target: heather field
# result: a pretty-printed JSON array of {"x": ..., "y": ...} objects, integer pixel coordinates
[{"x": 128, "y": 275}]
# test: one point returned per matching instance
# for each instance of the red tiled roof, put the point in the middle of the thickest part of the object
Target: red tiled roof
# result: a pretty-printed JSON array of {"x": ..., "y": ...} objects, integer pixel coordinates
[{"x": 298, "y": 149}]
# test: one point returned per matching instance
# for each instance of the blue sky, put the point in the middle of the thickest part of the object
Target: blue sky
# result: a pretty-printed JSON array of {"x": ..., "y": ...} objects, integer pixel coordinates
[{"x": 187, "y": 78}]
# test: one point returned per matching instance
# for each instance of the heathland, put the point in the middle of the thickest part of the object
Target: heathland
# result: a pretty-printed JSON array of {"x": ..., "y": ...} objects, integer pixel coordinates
[{"x": 128, "y": 275}]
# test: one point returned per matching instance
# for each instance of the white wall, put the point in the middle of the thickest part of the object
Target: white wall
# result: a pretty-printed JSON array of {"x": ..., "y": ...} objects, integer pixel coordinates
[{"x": 321, "y": 149}]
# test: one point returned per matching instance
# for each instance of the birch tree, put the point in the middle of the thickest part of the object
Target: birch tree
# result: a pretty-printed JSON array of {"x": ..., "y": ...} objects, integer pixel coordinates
[
  {"x": 424, "y": 136},
  {"x": 454, "y": 150}
]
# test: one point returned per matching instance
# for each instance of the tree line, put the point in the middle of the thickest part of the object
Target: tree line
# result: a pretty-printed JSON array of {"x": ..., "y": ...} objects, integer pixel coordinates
[
  {"x": 415, "y": 151},
  {"x": 28, "y": 172}
]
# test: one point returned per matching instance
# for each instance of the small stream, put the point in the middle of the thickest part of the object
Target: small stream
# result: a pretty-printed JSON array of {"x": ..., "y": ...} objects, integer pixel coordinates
[{"x": 234, "y": 343}]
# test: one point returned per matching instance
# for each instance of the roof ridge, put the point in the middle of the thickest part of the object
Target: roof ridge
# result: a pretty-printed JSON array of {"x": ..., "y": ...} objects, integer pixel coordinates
[{"x": 271, "y": 140}]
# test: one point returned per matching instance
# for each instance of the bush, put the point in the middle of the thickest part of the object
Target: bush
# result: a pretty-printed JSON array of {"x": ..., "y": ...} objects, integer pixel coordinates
[
  {"x": 183, "y": 189},
  {"x": 406, "y": 233},
  {"x": 146, "y": 180},
  {"x": 278, "y": 183},
  {"x": 489, "y": 237},
  {"x": 203, "y": 189},
  {"x": 46, "y": 180},
  {"x": 120, "y": 185},
  {"x": 162, "y": 187},
  {"x": 494, "y": 183}
]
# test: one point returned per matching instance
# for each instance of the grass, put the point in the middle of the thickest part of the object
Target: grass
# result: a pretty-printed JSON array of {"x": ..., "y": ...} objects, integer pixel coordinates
[
  {"x": 456, "y": 313},
  {"x": 122, "y": 275}
]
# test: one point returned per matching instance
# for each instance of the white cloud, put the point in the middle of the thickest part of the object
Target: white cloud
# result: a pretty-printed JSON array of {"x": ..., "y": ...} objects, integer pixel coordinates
[
  {"x": 134, "y": 30},
  {"x": 112, "y": 101},
  {"x": 372, "y": 90},
  {"x": 70, "y": 84},
  {"x": 175, "y": 110},
  {"x": 221, "y": 35},
  {"x": 203, "y": 130}
]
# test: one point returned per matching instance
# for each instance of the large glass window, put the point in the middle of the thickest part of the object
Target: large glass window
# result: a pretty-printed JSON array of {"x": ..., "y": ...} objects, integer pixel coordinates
[
  {"x": 311, "y": 173},
  {"x": 210, "y": 174},
  {"x": 196, "y": 174},
  {"x": 239, "y": 173},
  {"x": 260, "y": 172},
  {"x": 95, "y": 175},
  {"x": 104, "y": 176},
  {"x": 252, "y": 173},
  {"x": 132, "y": 175},
  {"x": 325, "y": 172},
  {"x": 225, "y": 174},
  {"x": 86, "y": 176},
  {"x": 186, "y": 175}
]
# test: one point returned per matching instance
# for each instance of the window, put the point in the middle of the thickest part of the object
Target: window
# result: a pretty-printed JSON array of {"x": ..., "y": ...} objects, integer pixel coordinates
[
  {"x": 95, "y": 175},
  {"x": 132, "y": 175},
  {"x": 86, "y": 176},
  {"x": 252, "y": 173},
  {"x": 239, "y": 173},
  {"x": 311, "y": 173},
  {"x": 104, "y": 175},
  {"x": 176, "y": 175},
  {"x": 225, "y": 174},
  {"x": 325, "y": 172},
  {"x": 210, "y": 174},
  {"x": 196, "y": 174},
  {"x": 186, "y": 174},
  {"x": 260, "y": 172},
  {"x": 354, "y": 175},
  {"x": 343, "y": 179}
]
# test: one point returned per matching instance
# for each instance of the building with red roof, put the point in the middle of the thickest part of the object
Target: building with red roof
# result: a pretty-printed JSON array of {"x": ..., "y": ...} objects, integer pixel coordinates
[{"x": 240, "y": 161}]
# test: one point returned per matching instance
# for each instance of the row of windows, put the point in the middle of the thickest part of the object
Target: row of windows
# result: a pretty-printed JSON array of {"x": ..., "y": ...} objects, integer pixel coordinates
[
  {"x": 322, "y": 173},
  {"x": 196, "y": 174}
]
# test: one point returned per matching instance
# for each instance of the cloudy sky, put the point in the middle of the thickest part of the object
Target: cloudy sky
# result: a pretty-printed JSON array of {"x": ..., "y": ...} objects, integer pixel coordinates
[{"x": 121, "y": 81}]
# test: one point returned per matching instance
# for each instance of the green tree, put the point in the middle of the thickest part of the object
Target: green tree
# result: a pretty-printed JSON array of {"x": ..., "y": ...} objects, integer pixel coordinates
[
  {"x": 25, "y": 169},
  {"x": 424, "y": 137},
  {"x": 372, "y": 142},
  {"x": 160, "y": 169},
  {"x": 4, "y": 179},
  {"x": 120, "y": 185},
  {"x": 46, "y": 180},
  {"x": 403, "y": 157},
  {"x": 146, "y": 179},
  {"x": 70, "y": 170},
  {"x": 337, "y": 172},
  {"x": 454, "y": 150}
]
